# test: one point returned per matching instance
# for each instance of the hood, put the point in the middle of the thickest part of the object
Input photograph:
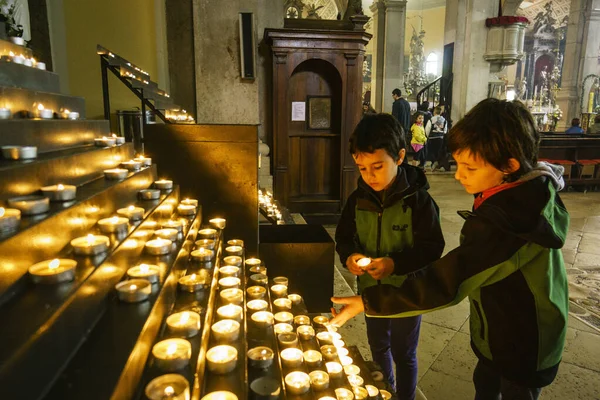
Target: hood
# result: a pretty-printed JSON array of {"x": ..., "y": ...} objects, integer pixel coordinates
[
  {"x": 408, "y": 180},
  {"x": 532, "y": 210}
]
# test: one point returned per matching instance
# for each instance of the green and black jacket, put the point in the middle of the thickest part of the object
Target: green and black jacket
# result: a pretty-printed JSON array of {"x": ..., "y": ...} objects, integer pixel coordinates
[
  {"x": 401, "y": 222},
  {"x": 510, "y": 265}
]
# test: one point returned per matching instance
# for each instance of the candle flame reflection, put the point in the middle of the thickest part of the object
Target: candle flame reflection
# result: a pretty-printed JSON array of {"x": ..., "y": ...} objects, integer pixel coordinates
[
  {"x": 169, "y": 391},
  {"x": 54, "y": 263}
]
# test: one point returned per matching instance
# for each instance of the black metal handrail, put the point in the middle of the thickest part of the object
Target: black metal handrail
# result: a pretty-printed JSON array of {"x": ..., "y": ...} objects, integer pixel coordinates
[{"x": 430, "y": 93}]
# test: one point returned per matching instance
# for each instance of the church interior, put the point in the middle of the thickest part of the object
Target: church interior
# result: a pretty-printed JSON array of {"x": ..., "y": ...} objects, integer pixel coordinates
[{"x": 173, "y": 172}]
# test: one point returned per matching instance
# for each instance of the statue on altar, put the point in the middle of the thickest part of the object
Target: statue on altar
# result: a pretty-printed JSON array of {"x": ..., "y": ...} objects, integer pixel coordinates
[
  {"x": 521, "y": 86},
  {"x": 415, "y": 78}
]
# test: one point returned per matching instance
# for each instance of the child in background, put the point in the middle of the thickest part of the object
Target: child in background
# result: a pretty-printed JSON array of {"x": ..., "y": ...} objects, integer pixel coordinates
[
  {"x": 419, "y": 140},
  {"x": 509, "y": 262},
  {"x": 435, "y": 130},
  {"x": 392, "y": 219}
]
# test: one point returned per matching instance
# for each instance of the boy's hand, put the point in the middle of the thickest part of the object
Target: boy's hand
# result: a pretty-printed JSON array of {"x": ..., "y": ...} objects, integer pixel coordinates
[
  {"x": 352, "y": 307},
  {"x": 352, "y": 266},
  {"x": 381, "y": 268}
]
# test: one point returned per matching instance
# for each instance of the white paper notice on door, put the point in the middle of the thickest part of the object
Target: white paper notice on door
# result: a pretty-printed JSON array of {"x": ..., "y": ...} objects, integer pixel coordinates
[{"x": 298, "y": 111}]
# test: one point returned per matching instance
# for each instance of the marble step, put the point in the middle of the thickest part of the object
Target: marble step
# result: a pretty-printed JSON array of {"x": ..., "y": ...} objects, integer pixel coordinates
[
  {"x": 24, "y": 102},
  {"x": 74, "y": 315},
  {"x": 41, "y": 237},
  {"x": 75, "y": 166},
  {"x": 51, "y": 135},
  {"x": 20, "y": 76}
]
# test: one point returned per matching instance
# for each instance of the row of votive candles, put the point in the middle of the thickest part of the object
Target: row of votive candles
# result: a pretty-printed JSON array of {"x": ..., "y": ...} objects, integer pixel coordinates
[
  {"x": 221, "y": 359},
  {"x": 324, "y": 362},
  {"x": 24, "y": 60},
  {"x": 40, "y": 112}
]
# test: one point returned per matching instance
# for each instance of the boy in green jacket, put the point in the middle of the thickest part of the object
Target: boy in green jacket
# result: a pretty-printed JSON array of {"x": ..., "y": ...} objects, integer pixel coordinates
[
  {"x": 389, "y": 220},
  {"x": 509, "y": 262}
]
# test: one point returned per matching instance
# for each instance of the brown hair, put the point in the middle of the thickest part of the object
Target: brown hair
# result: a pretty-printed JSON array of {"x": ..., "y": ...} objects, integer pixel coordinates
[{"x": 498, "y": 130}]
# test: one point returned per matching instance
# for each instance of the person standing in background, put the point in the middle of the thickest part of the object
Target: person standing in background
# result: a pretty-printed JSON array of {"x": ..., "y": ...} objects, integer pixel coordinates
[{"x": 401, "y": 110}]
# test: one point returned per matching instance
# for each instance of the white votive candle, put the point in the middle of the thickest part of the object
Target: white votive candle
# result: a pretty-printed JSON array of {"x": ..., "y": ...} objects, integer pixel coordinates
[
  {"x": 113, "y": 224},
  {"x": 385, "y": 395},
  {"x": 90, "y": 245},
  {"x": 234, "y": 250},
  {"x": 232, "y": 296},
  {"x": 324, "y": 338},
  {"x": 281, "y": 280},
  {"x": 218, "y": 223},
  {"x": 296, "y": 299},
  {"x": 163, "y": 184},
  {"x": 262, "y": 318},
  {"x": 260, "y": 357},
  {"x": 297, "y": 382},
  {"x": 351, "y": 369},
  {"x": 205, "y": 243},
  {"x": 235, "y": 261},
  {"x": 104, "y": 141},
  {"x": 287, "y": 339},
  {"x": 363, "y": 262},
  {"x": 282, "y": 327},
  {"x": 256, "y": 292},
  {"x": 229, "y": 270},
  {"x": 252, "y": 262},
  {"x": 229, "y": 283},
  {"x": 185, "y": 323},
  {"x": 343, "y": 393},
  {"x": 9, "y": 219},
  {"x": 168, "y": 386},
  {"x": 53, "y": 271},
  {"x": 221, "y": 359},
  {"x": 257, "y": 305},
  {"x": 334, "y": 369},
  {"x": 372, "y": 390},
  {"x": 320, "y": 321},
  {"x": 131, "y": 165},
  {"x": 319, "y": 380},
  {"x": 172, "y": 354},
  {"x": 279, "y": 291},
  {"x": 132, "y": 212},
  {"x": 115, "y": 174},
  {"x": 19, "y": 152},
  {"x": 189, "y": 202},
  {"x": 305, "y": 332},
  {"x": 118, "y": 139},
  {"x": 329, "y": 352},
  {"x": 258, "y": 269},
  {"x": 230, "y": 311},
  {"x": 60, "y": 192},
  {"x": 291, "y": 357},
  {"x": 149, "y": 194},
  {"x": 157, "y": 247},
  {"x": 235, "y": 242},
  {"x": 258, "y": 279},
  {"x": 144, "y": 271},
  {"x": 146, "y": 161},
  {"x": 360, "y": 393},
  {"x": 284, "y": 316},
  {"x": 134, "y": 290},
  {"x": 167, "y": 233},
  {"x": 346, "y": 360},
  {"x": 194, "y": 282},
  {"x": 202, "y": 255},
  {"x": 30, "y": 205},
  {"x": 220, "y": 395},
  {"x": 282, "y": 304},
  {"x": 226, "y": 330},
  {"x": 207, "y": 233},
  {"x": 41, "y": 65},
  {"x": 186, "y": 209},
  {"x": 73, "y": 115},
  {"x": 46, "y": 113},
  {"x": 5, "y": 113}
]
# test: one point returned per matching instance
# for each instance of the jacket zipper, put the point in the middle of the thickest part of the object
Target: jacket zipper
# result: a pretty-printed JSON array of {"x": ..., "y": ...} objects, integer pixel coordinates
[{"x": 379, "y": 214}]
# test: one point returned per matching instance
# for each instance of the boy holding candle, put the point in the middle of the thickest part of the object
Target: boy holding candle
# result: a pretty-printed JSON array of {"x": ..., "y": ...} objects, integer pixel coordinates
[
  {"x": 509, "y": 261},
  {"x": 392, "y": 219}
]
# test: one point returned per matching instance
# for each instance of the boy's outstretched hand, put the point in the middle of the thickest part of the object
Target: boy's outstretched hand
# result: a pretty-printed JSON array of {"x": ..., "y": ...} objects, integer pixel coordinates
[
  {"x": 352, "y": 307},
  {"x": 381, "y": 268},
  {"x": 353, "y": 266}
]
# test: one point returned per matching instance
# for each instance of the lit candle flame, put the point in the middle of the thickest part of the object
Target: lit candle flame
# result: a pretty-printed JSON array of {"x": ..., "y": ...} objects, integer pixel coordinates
[
  {"x": 144, "y": 268},
  {"x": 2, "y": 211},
  {"x": 131, "y": 208},
  {"x": 12, "y": 54},
  {"x": 54, "y": 264},
  {"x": 60, "y": 186},
  {"x": 169, "y": 391},
  {"x": 40, "y": 107},
  {"x": 185, "y": 317},
  {"x": 90, "y": 239},
  {"x": 66, "y": 111},
  {"x": 193, "y": 277},
  {"x": 132, "y": 287},
  {"x": 171, "y": 349},
  {"x": 113, "y": 135},
  {"x": 114, "y": 220}
]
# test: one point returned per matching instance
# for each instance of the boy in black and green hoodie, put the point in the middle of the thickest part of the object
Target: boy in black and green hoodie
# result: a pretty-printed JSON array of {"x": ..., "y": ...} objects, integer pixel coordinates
[
  {"x": 389, "y": 220},
  {"x": 509, "y": 262}
]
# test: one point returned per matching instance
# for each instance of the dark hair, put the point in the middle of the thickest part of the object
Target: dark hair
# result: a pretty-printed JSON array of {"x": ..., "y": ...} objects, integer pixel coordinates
[
  {"x": 575, "y": 122},
  {"x": 397, "y": 92},
  {"x": 437, "y": 110},
  {"x": 378, "y": 131},
  {"x": 424, "y": 106},
  {"x": 366, "y": 103},
  {"x": 498, "y": 130}
]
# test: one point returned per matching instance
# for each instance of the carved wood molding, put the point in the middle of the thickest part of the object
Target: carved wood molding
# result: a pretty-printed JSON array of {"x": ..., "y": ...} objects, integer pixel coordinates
[
  {"x": 280, "y": 57},
  {"x": 351, "y": 58}
]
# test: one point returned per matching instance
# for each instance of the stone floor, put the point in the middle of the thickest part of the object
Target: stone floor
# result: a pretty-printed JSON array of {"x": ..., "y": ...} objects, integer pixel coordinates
[{"x": 446, "y": 361}]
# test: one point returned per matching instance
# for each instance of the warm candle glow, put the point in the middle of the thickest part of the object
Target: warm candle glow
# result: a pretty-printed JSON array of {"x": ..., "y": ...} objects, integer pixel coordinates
[
  {"x": 60, "y": 186},
  {"x": 90, "y": 239},
  {"x": 185, "y": 317},
  {"x": 171, "y": 349},
  {"x": 131, "y": 208},
  {"x": 132, "y": 287},
  {"x": 363, "y": 262},
  {"x": 54, "y": 263},
  {"x": 2, "y": 211},
  {"x": 193, "y": 277},
  {"x": 169, "y": 391},
  {"x": 40, "y": 107},
  {"x": 144, "y": 268}
]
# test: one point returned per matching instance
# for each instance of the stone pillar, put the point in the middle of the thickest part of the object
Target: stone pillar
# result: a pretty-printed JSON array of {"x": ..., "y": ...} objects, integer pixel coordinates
[
  {"x": 378, "y": 10},
  {"x": 389, "y": 20},
  {"x": 582, "y": 49},
  {"x": 471, "y": 71},
  {"x": 393, "y": 70}
]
